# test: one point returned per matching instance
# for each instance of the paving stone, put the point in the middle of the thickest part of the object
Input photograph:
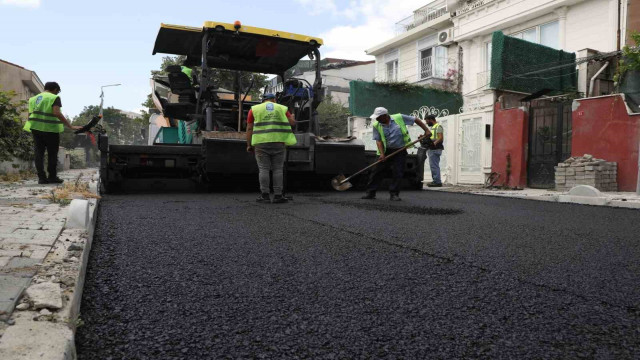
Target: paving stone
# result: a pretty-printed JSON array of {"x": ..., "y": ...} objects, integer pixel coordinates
[
  {"x": 23, "y": 234},
  {"x": 21, "y": 266},
  {"x": 11, "y": 287},
  {"x": 4, "y": 260}
]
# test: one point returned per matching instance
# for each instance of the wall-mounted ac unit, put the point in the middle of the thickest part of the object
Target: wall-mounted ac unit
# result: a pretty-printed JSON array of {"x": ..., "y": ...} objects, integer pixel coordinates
[{"x": 445, "y": 37}]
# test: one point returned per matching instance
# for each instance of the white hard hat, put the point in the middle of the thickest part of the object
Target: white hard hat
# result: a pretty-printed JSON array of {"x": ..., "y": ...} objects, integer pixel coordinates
[{"x": 379, "y": 111}]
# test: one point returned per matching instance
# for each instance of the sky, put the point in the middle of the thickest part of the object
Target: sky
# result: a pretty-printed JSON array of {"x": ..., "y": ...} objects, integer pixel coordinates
[{"x": 85, "y": 44}]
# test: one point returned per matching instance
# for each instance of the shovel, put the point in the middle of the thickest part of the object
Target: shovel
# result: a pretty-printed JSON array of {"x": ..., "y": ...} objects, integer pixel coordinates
[{"x": 341, "y": 183}]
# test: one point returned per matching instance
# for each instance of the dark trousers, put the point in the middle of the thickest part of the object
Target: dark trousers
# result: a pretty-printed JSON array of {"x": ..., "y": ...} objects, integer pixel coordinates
[
  {"x": 50, "y": 142},
  {"x": 396, "y": 164}
]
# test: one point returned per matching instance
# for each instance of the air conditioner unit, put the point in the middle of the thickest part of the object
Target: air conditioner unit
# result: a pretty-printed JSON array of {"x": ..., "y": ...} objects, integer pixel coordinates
[{"x": 445, "y": 37}]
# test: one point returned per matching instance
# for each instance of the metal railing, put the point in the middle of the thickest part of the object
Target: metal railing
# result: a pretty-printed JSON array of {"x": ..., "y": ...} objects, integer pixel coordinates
[
  {"x": 426, "y": 67},
  {"x": 421, "y": 16}
]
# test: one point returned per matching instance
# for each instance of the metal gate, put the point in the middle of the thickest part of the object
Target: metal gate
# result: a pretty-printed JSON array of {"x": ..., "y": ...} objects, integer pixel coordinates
[{"x": 549, "y": 141}]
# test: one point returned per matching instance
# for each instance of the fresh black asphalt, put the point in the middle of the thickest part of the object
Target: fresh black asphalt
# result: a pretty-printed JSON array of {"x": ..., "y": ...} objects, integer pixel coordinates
[{"x": 330, "y": 276}]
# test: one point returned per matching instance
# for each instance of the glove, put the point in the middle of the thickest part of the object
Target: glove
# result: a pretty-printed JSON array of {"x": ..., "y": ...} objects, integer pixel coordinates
[{"x": 427, "y": 143}]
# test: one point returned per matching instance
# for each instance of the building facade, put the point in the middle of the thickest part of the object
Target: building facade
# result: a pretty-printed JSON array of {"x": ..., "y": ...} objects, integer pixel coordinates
[
  {"x": 25, "y": 83},
  {"x": 447, "y": 44}
]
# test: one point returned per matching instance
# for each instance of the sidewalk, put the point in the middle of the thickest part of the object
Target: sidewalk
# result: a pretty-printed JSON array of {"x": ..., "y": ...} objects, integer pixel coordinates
[
  {"x": 42, "y": 264},
  {"x": 611, "y": 199}
]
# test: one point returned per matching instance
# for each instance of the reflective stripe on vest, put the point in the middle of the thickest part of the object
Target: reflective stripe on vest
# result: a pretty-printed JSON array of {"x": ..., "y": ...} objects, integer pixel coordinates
[
  {"x": 271, "y": 124},
  {"x": 41, "y": 115},
  {"x": 434, "y": 129},
  {"x": 403, "y": 128}
]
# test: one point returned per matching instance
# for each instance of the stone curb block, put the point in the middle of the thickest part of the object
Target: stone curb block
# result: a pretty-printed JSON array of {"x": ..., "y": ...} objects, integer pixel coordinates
[
  {"x": 584, "y": 200},
  {"x": 53, "y": 341}
]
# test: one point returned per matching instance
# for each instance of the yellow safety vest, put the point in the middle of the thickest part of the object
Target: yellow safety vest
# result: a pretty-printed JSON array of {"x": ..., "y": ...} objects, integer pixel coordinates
[
  {"x": 271, "y": 124},
  {"x": 41, "y": 116},
  {"x": 403, "y": 128}
]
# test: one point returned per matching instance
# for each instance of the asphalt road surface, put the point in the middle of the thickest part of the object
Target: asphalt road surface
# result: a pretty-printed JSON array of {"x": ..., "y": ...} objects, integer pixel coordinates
[{"x": 330, "y": 276}]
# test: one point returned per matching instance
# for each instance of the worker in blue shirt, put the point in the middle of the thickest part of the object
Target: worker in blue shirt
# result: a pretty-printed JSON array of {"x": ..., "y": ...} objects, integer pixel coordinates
[{"x": 390, "y": 134}]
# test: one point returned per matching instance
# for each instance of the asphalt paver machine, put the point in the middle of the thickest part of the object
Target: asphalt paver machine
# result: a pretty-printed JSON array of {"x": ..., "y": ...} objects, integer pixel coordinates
[{"x": 201, "y": 127}]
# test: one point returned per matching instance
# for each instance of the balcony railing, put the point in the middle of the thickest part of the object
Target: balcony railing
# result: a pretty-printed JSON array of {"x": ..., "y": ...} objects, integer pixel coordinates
[{"x": 421, "y": 16}]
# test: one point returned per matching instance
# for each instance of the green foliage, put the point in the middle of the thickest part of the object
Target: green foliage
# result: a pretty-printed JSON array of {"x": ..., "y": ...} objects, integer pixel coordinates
[
  {"x": 120, "y": 128},
  {"x": 332, "y": 118},
  {"x": 399, "y": 86},
  {"x": 512, "y": 58},
  {"x": 14, "y": 142},
  {"x": 630, "y": 58}
]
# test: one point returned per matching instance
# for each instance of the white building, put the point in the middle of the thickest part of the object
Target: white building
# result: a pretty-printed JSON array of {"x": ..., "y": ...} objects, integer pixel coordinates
[{"x": 444, "y": 39}]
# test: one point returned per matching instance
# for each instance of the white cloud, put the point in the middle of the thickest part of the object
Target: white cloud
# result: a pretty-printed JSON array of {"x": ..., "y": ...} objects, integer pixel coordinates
[
  {"x": 22, "y": 3},
  {"x": 373, "y": 23}
]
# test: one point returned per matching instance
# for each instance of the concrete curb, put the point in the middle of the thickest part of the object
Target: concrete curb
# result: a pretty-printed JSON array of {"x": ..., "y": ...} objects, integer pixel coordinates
[{"x": 53, "y": 340}]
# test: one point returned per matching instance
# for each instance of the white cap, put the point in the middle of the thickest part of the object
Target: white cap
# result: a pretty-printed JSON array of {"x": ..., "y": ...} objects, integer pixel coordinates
[{"x": 378, "y": 112}]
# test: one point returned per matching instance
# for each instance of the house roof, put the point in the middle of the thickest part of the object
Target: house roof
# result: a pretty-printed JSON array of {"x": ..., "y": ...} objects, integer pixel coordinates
[{"x": 12, "y": 64}]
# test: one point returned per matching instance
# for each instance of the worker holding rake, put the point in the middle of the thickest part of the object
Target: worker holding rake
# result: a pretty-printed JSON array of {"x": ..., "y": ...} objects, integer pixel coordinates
[{"x": 391, "y": 134}]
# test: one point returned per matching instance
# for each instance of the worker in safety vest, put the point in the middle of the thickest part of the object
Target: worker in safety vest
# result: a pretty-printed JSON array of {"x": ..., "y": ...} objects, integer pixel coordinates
[
  {"x": 187, "y": 71},
  {"x": 390, "y": 134},
  {"x": 268, "y": 133},
  {"x": 45, "y": 123},
  {"x": 435, "y": 150}
]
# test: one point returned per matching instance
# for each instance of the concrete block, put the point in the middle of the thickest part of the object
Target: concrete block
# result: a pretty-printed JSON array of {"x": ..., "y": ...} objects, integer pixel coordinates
[
  {"x": 78, "y": 214},
  {"x": 585, "y": 200},
  {"x": 584, "y": 190},
  {"x": 571, "y": 171},
  {"x": 38, "y": 340},
  {"x": 45, "y": 295}
]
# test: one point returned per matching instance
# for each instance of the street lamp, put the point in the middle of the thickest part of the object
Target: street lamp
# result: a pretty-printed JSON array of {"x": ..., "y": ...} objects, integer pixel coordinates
[{"x": 102, "y": 95}]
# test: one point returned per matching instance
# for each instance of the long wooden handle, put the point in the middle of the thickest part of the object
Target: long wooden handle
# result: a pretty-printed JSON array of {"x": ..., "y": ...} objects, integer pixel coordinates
[{"x": 379, "y": 161}]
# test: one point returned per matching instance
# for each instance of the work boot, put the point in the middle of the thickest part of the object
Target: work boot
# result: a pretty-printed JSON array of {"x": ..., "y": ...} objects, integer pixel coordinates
[
  {"x": 369, "y": 196},
  {"x": 432, "y": 184},
  {"x": 55, "y": 180},
  {"x": 279, "y": 199},
  {"x": 263, "y": 198},
  {"x": 43, "y": 181},
  {"x": 394, "y": 197}
]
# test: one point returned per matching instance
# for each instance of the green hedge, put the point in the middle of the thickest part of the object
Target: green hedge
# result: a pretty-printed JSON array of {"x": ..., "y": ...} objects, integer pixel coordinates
[
  {"x": 511, "y": 57},
  {"x": 403, "y": 98}
]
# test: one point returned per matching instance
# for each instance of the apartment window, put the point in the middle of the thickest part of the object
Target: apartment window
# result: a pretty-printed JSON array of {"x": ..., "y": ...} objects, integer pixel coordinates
[
  {"x": 487, "y": 52},
  {"x": 433, "y": 62},
  {"x": 391, "y": 64},
  {"x": 392, "y": 70},
  {"x": 546, "y": 34},
  {"x": 550, "y": 35}
]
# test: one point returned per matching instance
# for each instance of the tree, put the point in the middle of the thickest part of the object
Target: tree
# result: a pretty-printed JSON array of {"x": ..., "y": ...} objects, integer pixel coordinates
[
  {"x": 14, "y": 142},
  {"x": 332, "y": 118},
  {"x": 120, "y": 128}
]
